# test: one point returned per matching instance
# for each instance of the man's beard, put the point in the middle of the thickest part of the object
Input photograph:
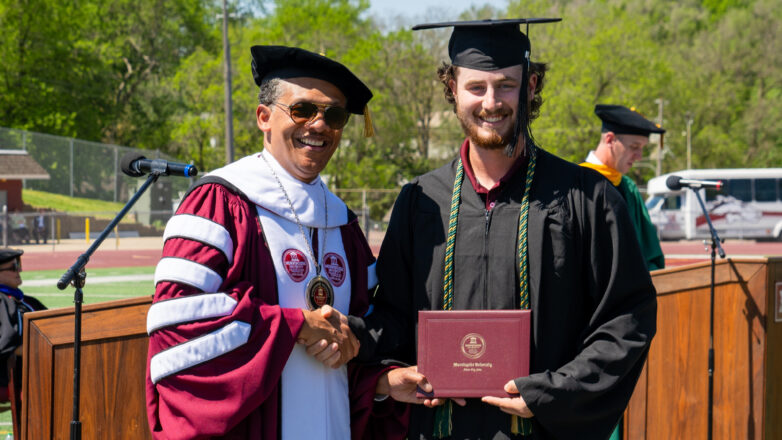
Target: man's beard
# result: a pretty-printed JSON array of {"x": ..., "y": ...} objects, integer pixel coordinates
[{"x": 491, "y": 141}]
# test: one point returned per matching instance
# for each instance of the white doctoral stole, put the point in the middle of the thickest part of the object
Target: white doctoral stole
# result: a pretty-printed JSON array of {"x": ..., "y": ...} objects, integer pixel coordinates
[{"x": 315, "y": 400}]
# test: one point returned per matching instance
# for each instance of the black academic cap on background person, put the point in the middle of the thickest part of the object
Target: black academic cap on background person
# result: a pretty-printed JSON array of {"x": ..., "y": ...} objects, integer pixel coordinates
[
  {"x": 8, "y": 254},
  {"x": 283, "y": 62},
  {"x": 488, "y": 45},
  {"x": 622, "y": 120}
]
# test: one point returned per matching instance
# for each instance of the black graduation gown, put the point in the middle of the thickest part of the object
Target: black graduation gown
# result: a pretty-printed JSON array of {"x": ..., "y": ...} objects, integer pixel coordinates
[{"x": 592, "y": 299}]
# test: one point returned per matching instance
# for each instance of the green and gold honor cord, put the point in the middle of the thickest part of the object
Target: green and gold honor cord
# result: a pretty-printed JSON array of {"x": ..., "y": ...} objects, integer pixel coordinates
[{"x": 443, "y": 424}]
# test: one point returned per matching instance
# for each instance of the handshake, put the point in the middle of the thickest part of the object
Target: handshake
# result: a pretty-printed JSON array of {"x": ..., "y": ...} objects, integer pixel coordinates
[{"x": 328, "y": 337}]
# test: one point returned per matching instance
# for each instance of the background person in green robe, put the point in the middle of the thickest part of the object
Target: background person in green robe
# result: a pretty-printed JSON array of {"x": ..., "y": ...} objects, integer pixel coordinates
[{"x": 624, "y": 135}]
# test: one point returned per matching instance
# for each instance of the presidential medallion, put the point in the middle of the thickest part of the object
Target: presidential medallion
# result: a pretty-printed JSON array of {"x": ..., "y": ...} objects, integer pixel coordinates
[{"x": 319, "y": 293}]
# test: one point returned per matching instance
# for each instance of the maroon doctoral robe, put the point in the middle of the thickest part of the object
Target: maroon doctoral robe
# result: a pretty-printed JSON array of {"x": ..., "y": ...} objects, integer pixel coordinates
[{"x": 236, "y": 395}]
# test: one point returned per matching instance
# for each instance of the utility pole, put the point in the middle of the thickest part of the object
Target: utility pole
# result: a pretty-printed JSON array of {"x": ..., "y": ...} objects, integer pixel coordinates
[
  {"x": 229, "y": 119},
  {"x": 660, "y": 103},
  {"x": 689, "y": 140}
]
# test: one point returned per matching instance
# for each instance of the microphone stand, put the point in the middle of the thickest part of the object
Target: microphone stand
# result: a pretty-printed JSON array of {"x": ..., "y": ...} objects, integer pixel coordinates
[
  {"x": 77, "y": 276},
  {"x": 715, "y": 248}
]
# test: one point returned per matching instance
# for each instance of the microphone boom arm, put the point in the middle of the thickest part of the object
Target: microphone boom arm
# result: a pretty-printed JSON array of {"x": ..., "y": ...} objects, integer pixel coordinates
[
  {"x": 69, "y": 274},
  {"x": 76, "y": 275}
]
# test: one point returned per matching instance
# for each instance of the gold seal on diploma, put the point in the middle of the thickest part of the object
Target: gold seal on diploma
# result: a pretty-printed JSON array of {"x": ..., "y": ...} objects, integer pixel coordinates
[{"x": 473, "y": 345}]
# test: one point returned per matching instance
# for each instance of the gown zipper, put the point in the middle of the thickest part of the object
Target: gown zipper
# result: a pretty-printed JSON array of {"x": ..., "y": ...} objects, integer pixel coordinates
[{"x": 487, "y": 222}]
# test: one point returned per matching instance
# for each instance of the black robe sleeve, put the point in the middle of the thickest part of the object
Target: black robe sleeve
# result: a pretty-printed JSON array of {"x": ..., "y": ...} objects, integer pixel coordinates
[{"x": 597, "y": 302}]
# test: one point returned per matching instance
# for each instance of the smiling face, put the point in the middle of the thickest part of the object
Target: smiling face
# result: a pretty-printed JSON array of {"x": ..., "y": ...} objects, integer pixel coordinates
[
  {"x": 302, "y": 149},
  {"x": 487, "y": 102}
]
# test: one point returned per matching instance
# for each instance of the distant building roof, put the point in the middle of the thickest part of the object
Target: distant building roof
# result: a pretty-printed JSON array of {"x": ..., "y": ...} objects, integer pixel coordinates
[{"x": 17, "y": 164}]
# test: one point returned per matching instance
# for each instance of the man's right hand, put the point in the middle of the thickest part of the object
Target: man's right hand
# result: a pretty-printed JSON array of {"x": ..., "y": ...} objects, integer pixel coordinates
[{"x": 328, "y": 337}]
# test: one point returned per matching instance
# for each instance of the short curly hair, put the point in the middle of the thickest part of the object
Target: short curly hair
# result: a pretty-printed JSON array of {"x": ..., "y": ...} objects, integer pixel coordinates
[
  {"x": 447, "y": 72},
  {"x": 270, "y": 91}
]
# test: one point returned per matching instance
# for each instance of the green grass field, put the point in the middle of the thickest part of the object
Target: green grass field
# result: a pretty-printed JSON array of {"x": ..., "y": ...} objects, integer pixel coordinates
[{"x": 96, "y": 292}]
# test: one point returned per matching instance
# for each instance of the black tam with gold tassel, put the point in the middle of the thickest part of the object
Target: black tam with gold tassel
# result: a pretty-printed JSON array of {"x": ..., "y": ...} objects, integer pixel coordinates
[{"x": 493, "y": 45}]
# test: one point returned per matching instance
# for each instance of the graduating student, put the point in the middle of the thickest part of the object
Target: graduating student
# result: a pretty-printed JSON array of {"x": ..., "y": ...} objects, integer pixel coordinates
[
  {"x": 260, "y": 255},
  {"x": 624, "y": 135},
  {"x": 507, "y": 225}
]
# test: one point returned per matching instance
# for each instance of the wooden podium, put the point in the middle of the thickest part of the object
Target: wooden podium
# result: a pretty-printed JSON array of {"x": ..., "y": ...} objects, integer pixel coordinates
[
  {"x": 113, "y": 364},
  {"x": 671, "y": 398},
  {"x": 670, "y": 401}
]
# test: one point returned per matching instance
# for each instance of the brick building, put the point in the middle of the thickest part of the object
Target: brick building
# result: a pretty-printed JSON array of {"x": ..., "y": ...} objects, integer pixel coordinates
[{"x": 16, "y": 165}]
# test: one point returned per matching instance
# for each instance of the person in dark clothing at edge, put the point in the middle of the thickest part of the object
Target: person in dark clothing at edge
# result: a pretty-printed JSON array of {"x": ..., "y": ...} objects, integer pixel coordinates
[
  {"x": 529, "y": 230},
  {"x": 14, "y": 304}
]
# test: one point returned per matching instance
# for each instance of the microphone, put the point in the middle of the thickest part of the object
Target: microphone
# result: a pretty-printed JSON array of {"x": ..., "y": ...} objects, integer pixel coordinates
[
  {"x": 676, "y": 182},
  {"x": 136, "y": 165}
]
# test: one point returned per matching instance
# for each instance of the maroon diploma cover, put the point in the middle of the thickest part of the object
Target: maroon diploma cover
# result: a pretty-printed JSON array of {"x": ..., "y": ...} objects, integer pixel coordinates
[{"x": 472, "y": 353}]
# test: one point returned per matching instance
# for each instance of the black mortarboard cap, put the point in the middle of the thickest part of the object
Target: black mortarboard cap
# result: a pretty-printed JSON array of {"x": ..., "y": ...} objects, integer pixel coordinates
[
  {"x": 492, "y": 45},
  {"x": 283, "y": 62},
  {"x": 488, "y": 44},
  {"x": 8, "y": 254},
  {"x": 622, "y": 120}
]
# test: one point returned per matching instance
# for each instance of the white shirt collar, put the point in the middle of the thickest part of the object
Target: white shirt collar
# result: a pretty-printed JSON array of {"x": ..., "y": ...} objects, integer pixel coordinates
[{"x": 592, "y": 158}]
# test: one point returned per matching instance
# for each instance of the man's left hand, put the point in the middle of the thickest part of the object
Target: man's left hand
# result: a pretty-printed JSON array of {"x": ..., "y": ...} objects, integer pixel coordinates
[{"x": 512, "y": 405}]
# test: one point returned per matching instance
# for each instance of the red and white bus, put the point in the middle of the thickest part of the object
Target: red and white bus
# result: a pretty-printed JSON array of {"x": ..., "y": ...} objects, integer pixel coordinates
[{"x": 748, "y": 205}]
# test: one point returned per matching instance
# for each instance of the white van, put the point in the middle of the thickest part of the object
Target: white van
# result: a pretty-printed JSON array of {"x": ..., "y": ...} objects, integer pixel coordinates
[{"x": 748, "y": 205}]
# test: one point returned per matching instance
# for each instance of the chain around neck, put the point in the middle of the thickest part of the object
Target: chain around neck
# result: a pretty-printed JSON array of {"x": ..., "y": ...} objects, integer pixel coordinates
[{"x": 296, "y": 216}]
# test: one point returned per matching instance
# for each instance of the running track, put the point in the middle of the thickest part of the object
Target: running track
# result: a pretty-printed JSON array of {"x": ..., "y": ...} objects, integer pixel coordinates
[
  {"x": 677, "y": 254},
  {"x": 100, "y": 259}
]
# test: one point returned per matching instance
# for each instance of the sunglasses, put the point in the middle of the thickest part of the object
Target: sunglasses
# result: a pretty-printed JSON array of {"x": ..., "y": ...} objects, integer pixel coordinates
[
  {"x": 15, "y": 267},
  {"x": 303, "y": 112}
]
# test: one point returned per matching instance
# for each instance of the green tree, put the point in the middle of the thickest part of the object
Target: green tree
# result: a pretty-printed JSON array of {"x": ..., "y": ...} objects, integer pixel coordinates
[
  {"x": 92, "y": 70},
  {"x": 150, "y": 74},
  {"x": 199, "y": 119}
]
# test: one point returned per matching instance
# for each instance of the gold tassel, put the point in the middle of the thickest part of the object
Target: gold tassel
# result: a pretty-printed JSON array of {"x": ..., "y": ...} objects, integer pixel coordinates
[{"x": 369, "y": 130}]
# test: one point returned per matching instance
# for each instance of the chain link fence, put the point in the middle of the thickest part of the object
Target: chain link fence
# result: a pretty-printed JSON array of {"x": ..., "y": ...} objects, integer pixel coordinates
[
  {"x": 372, "y": 206},
  {"x": 91, "y": 170},
  {"x": 80, "y": 168}
]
